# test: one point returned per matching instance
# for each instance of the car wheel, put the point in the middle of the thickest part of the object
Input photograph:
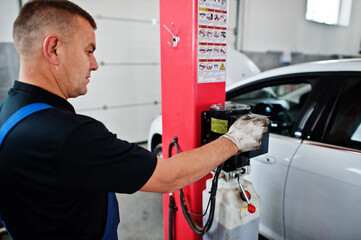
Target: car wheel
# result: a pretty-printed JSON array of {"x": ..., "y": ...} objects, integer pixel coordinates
[{"x": 158, "y": 150}]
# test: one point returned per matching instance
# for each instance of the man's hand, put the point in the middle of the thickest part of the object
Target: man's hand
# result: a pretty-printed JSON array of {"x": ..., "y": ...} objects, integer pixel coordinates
[{"x": 246, "y": 132}]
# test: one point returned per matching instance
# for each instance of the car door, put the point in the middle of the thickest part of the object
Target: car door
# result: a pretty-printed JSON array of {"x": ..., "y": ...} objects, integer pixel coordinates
[
  {"x": 323, "y": 189},
  {"x": 283, "y": 99}
]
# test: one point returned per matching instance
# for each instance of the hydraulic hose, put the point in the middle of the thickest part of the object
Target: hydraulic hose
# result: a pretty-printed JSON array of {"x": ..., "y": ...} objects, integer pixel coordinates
[
  {"x": 172, "y": 208},
  {"x": 187, "y": 214},
  {"x": 172, "y": 205},
  {"x": 212, "y": 201}
]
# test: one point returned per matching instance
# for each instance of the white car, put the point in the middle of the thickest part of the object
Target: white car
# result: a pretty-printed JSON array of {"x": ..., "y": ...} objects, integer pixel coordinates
[{"x": 310, "y": 179}]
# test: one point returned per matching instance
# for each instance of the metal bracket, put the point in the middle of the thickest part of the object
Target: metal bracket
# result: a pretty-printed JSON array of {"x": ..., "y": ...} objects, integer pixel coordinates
[{"x": 239, "y": 172}]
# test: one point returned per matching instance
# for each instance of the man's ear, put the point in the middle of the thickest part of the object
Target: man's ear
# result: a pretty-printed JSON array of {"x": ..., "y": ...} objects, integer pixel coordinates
[{"x": 50, "y": 47}]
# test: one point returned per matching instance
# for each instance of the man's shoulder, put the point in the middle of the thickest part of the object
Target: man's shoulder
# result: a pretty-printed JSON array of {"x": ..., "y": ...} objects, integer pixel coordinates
[
  {"x": 59, "y": 124},
  {"x": 61, "y": 115}
]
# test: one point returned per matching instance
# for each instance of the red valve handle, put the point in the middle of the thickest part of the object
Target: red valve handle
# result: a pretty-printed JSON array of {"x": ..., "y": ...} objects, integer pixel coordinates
[{"x": 251, "y": 208}]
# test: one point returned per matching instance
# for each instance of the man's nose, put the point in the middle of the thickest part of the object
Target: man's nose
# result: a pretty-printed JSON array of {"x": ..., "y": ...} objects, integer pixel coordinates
[{"x": 94, "y": 64}]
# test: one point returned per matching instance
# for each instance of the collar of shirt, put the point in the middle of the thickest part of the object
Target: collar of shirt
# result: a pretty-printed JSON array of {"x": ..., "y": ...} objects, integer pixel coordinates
[{"x": 43, "y": 95}]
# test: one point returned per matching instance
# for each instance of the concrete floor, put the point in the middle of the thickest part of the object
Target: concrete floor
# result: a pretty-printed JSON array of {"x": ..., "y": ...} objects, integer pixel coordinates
[{"x": 141, "y": 216}]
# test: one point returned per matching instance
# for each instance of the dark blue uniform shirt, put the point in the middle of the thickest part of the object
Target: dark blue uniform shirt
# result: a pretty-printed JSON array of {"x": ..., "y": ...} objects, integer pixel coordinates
[{"x": 57, "y": 166}]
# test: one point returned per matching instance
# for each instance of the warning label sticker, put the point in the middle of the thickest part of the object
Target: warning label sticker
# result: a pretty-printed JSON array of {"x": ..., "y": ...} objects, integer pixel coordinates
[
  {"x": 212, "y": 38},
  {"x": 219, "y": 125}
]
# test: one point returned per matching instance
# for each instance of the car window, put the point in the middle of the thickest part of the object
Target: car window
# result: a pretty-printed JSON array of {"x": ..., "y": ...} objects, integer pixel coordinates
[
  {"x": 282, "y": 103},
  {"x": 345, "y": 123}
]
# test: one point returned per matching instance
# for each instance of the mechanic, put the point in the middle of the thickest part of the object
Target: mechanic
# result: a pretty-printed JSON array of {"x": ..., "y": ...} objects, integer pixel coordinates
[{"x": 57, "y": 167}]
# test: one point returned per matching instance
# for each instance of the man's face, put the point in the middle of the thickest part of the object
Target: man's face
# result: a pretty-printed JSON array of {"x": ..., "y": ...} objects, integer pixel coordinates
[{"x": 77, "y": 61}]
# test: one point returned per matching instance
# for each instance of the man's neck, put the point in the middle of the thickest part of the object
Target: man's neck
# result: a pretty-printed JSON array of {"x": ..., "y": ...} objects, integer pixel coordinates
[{"x": 40, "y": 78}]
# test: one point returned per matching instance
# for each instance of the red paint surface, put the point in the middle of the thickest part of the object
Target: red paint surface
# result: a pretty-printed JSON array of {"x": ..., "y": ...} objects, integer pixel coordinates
[{"x": 183, "y": 100}]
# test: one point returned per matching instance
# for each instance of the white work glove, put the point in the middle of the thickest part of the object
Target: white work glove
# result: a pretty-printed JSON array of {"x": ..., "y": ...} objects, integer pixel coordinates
[{"x": 246, "y": 132}]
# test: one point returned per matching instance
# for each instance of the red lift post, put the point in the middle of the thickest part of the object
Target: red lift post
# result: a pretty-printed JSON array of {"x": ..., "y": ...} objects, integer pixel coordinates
[{"x": 193, "y": 49}]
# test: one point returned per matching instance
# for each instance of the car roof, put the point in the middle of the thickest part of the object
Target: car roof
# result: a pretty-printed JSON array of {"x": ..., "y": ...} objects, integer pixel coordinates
[{"x": 339, "y": 65}]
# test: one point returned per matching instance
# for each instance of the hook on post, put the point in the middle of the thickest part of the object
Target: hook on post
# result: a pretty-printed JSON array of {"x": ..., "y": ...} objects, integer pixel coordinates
[{"x": 175, "y": 38}]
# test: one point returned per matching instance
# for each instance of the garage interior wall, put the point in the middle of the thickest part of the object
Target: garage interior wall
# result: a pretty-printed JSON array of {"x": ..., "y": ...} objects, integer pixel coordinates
[
  {"x": 9, "y": 59},
  {"x": 274, "y": 33},
  {"x": 291, "y": 32},
  {"x": 125, "y": 92}
]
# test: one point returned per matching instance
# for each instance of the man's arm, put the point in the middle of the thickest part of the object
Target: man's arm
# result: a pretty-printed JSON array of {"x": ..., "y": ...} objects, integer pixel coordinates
[{"x": 187, "y": 167}]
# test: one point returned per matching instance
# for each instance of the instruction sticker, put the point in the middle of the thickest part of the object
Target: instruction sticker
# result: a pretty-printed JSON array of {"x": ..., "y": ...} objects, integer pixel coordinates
[{"x": 212, "y": 38}]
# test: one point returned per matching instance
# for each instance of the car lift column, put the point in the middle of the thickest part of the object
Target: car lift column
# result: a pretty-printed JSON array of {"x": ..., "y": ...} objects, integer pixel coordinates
[{"x": 191, "y": 83}]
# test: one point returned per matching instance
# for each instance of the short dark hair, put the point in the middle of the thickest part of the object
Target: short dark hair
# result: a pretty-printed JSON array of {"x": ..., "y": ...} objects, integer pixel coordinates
[{"x": 34, "y": 15}]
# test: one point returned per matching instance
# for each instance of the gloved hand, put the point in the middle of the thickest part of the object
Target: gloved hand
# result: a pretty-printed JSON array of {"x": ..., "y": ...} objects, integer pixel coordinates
[{"x": 246, "y": 132}]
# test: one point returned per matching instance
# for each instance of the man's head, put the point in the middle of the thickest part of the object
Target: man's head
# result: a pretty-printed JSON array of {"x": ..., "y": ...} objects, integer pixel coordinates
[
  {"x": 38, "y": 16},
  {"x": 55, "y": 40}
]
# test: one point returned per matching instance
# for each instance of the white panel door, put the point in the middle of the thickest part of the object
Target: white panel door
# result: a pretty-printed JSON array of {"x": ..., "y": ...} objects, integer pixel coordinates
[{"x": 323, "y": 193}]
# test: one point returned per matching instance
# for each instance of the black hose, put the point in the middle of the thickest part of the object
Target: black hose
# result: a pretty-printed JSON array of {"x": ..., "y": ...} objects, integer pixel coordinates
[
  {"x": 172, "y": 208},
  {"x": 174, "y": 142},
  {"x": 194, "y": 226},
  {"x": 172, "y": 205},
  {"x": 187, "y": 214}
]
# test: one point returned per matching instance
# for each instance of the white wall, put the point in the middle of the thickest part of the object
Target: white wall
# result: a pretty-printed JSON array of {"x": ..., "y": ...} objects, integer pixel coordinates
[
  {"x": 239, "y": 66},
  {"x": 8, "y": 12},
  {"x": 280, "y": 25},
  {"x": 123, "y": 91}
]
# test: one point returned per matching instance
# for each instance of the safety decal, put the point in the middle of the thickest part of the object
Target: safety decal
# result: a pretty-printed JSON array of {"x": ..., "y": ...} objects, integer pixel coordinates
[
  {"x": 212, "y": 38},
  {"x": 222, "y": 67}
]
